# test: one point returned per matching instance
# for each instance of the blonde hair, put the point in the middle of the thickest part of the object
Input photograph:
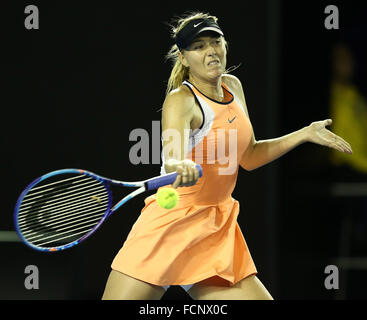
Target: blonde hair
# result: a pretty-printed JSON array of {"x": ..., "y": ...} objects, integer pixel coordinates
[{"x": 179, "y": 72}]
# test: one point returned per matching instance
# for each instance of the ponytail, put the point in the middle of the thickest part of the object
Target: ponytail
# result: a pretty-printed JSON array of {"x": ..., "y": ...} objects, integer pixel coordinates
[{"x": 179, "y": 72}]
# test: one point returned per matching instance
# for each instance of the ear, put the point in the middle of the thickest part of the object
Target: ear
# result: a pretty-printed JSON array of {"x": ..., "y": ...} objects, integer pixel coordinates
[{"x": 182, "y": 59}]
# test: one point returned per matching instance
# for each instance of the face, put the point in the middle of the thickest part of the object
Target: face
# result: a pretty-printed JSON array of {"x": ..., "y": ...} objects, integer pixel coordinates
[{"x": 206, "y": 56}]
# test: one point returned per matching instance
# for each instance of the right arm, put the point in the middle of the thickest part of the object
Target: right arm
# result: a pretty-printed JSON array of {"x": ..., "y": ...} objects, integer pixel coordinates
[{"x": 177, "y": 114}]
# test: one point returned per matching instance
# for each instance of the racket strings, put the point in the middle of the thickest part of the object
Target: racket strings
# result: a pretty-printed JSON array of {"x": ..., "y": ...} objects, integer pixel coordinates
[
  {"x": 29, "y": 198},
  {"x": 64, "y": 234},
  {"x": 58, "y": 183},
  {"x": 65, "y": 239},
  {"x": 57, "y": 218},
  {"x": 63, "y": 231},
  {"x": 76, "y": 199},
  {"x": 32, "y": 234},
  {"x": 62, "y": 211}
]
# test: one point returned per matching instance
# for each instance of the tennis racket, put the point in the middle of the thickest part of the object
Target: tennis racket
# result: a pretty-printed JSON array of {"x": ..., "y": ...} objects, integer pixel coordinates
[{"x": 63, "y": 208}]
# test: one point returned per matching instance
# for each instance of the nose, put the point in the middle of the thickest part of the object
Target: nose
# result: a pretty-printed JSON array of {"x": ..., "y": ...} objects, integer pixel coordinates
[{"x": 211, "y": 50}]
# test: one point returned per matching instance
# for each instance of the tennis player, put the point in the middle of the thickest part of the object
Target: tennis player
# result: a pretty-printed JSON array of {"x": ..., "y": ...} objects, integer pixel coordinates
[{"x": 199, "y": 244}]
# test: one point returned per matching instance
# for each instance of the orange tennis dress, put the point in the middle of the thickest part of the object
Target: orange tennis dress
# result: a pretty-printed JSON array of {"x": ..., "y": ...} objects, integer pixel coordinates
[{"x": 199, "y": 238}]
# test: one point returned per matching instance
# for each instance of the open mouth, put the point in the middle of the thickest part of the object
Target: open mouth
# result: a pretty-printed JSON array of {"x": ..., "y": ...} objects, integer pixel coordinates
[{"x": 214, "y": 62}]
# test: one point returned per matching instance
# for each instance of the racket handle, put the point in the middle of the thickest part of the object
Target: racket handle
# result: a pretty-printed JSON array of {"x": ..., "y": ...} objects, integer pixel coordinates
[{"x": 167, "y": 179}]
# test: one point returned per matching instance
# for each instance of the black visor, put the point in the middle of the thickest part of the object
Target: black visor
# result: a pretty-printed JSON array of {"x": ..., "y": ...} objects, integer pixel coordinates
[{"x": 189, "y": 32}]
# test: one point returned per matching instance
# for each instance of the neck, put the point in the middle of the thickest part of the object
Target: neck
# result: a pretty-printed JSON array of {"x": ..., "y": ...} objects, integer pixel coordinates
[{"x": 212, "y": 89}]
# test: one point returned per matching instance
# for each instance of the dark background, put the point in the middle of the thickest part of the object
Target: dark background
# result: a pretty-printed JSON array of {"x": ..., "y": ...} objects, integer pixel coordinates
[{"x": 74, "y": 90}]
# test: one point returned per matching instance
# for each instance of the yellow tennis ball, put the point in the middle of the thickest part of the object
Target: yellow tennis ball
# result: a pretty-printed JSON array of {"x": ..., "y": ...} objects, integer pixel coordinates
[{"x": 167, "y": 198}]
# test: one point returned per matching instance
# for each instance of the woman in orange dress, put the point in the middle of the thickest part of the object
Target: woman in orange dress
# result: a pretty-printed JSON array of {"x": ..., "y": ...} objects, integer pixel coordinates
[{"x": 198, "y": 244}]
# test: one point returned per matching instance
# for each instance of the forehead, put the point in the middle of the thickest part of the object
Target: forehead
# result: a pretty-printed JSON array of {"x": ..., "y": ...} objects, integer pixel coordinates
[
  {"x": 199, "y": 39},
  {"x": 207, "y": 35}
]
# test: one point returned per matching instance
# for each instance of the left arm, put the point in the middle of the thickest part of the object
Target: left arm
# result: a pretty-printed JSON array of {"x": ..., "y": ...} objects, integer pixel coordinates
[
  {"x": 263, "y": 152},
  {"x": 260, "y": 153}
]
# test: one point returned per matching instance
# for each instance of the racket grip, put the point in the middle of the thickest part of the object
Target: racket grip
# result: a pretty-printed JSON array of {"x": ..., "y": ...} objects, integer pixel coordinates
[{"x": 166, "y": 179}]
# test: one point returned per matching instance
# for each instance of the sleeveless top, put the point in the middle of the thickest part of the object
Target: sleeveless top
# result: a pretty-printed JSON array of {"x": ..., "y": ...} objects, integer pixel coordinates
[
  {"x": 200, "y": 237},
  {"x": 218, "y": 145}
]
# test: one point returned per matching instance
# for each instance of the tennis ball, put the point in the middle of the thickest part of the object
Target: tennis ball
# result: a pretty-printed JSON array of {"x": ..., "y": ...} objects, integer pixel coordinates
[{"x": 167, "y": 198}]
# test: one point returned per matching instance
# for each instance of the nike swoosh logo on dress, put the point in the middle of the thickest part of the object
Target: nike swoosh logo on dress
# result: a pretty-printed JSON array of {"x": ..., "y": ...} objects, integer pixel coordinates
[{"x": 230, "y": 121}]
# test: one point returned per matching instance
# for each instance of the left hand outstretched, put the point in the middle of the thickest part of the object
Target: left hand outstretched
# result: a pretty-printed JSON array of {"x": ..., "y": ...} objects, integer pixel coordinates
[{"x": 317, "y": 133}]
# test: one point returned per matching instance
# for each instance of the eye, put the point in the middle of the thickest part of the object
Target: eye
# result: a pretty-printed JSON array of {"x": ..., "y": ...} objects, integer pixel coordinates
[{"x": 198, "y": 46}]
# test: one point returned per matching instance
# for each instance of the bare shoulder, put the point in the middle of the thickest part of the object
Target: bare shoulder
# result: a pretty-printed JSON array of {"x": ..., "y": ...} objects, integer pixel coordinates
[
  {"x": 232, "y": 82},
  {"x": 181, "y": 101}
]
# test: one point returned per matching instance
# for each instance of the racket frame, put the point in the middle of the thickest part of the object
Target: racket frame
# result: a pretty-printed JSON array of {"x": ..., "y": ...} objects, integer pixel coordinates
[
  {"x": 35, "y": 182},
  {"x": 145, "y": 185}
]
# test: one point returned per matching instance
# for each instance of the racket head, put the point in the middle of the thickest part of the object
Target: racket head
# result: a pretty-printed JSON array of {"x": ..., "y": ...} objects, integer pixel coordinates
[{"x": 61, "y": 209}]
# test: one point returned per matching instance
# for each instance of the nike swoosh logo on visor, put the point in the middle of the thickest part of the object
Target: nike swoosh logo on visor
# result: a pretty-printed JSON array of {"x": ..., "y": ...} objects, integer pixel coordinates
[{"x": 195, "y": 25}]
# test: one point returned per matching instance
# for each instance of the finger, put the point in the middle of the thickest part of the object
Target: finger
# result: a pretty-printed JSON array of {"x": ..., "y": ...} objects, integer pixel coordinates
[
  {"x": 177, "y": 182},
  {"x": 179, "y": 169},
  {"x": 334, "y": 144},
  {"x": 337, "y": 148},
  {"x": 340, "y": 139},
  {"x": 190, "y": 174},
  {"x": 346, "y": 147},
  {"x": 328, "y": 122},
  {"x": 340, "y": 147},
  {"x": 343, "y": 144},
  {"x": 188, "y": 181},
  {"x": 194, "y": 178},
  {"x": 184, "y": 176}
]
